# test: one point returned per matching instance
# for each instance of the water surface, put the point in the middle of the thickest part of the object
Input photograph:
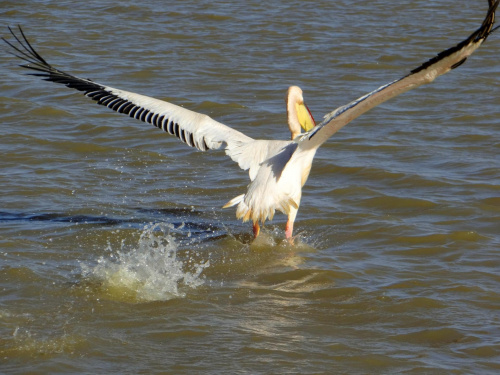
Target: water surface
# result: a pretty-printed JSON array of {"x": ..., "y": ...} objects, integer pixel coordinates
[{"x": 115, "y": 256}]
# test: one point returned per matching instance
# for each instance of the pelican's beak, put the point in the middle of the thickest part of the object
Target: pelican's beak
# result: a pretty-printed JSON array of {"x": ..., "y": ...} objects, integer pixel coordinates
[{"x": 306, "y": 120}]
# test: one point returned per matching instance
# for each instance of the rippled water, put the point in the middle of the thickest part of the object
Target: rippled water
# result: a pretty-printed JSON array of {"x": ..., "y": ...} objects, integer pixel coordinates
[{"x": 115, "y": 256}]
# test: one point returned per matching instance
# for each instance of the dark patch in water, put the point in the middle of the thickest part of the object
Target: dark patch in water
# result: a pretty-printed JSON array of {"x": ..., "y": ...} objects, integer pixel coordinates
[
  {"x": 61, "y": 218},
  {"x": 172, "y": 211},
  {"x": 179, "y": 218}
]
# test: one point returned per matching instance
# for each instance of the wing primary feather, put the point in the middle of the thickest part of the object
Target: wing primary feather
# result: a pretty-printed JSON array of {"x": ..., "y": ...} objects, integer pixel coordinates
[
  {"x": 112, "y": 102},
  {"x": 106, "y": 100},
  {"x": 137, "y": 114},
  {"x": 456, "y": 65},
  {"x": 164, "y": 124},
  {"x": 127, "y": 107},
  {"x": 118, "y": 104},
  {"x": 191, "y": 141},
  {"x": 182, "y": 135},
  {"x": 155, "y": 117},
  {"x": 202, "y": 145},
  {"x": 35, "y": 53},
  {"x": 144, "y": 115},
  {"x": 122, "y": 107},
  {"x": 170, "y": 127},
  {"x": 176, "y": 129},
  {"x": 29, "y": 54},
  {"x": 133, "y": 110},
  {"x": 91, "y": 94},
  {"x": 159, "y": 122},
  {"x": 98, "y": 95}
]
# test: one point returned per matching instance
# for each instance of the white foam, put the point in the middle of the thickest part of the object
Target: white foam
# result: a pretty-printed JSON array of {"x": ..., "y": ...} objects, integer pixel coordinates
[{"x": 149, "y": 271}]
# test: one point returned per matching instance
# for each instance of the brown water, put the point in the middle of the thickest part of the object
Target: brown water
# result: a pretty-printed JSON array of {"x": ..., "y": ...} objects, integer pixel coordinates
[{"x": 115, "y": 256}]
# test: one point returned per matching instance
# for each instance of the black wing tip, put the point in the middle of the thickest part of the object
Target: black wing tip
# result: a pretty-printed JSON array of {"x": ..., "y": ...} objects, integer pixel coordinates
[
  {"x": 39, "y": 67},
  {"x": 479, "y": 36},
  {"x": 23, "y": 50},
  {"x": 487, "y": 26}
]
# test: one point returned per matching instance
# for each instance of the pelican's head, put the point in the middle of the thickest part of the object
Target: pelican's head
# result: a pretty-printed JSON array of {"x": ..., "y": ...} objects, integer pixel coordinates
[{"x": 299, "y": 115}]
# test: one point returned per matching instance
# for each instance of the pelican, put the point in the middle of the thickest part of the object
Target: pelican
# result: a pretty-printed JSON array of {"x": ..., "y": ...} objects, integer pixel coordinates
[{"x": 278, "y": 169}]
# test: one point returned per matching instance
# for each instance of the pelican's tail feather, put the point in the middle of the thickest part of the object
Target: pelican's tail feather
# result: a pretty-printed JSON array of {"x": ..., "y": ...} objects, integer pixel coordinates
[
  {"x": 234, "y": 201},
  {"x": 260, "y": 210}
]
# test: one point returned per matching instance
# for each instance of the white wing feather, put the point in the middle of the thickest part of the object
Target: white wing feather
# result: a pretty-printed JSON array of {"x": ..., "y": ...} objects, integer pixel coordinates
[{"x": 206, "y": 132}]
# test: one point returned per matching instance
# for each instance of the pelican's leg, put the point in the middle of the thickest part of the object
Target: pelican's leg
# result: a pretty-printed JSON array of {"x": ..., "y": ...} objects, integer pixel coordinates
[
  {"x": 256, "y": 229},
  {"x": 289, "y": 229},
  {"x": 289, "y": 224}
]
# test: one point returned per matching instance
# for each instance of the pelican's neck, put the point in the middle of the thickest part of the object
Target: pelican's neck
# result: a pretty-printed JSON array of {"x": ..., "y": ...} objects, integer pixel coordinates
[{"x": 294, "y": 96}]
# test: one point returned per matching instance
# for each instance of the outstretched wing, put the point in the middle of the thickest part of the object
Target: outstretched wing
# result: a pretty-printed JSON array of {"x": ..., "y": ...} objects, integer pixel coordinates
[
  {"x": 425, "y": 73},
  {"x": 195, "y": 129}
]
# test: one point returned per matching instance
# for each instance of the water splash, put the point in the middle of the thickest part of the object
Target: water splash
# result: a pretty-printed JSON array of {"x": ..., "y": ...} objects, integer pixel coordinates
[{"x": 150, "y": 271}]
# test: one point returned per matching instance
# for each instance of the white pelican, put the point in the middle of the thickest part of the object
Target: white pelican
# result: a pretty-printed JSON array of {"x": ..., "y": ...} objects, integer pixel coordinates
[{"x": 277, "y": 169}]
